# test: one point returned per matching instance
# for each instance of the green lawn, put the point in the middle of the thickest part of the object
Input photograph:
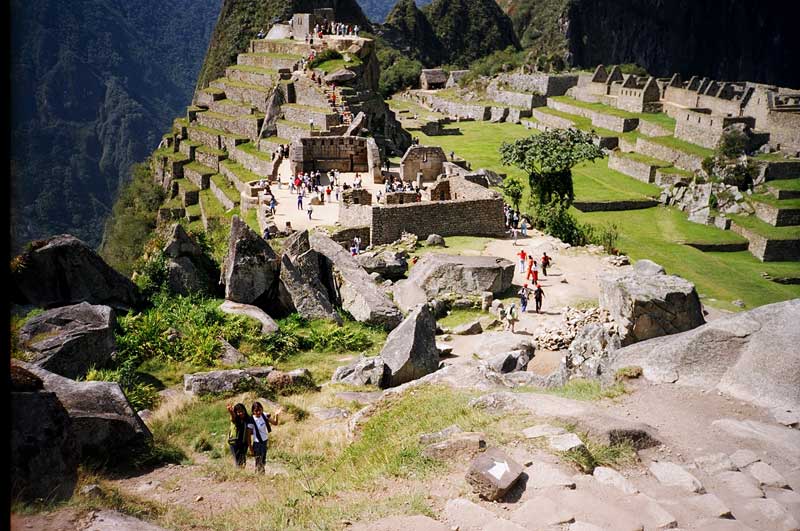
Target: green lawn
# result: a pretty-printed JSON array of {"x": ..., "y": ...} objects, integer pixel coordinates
[
  {"x": 230, "y": 192},
  {"x": 585, "y": 124},
  {"x": 765, "y": 229},
  {"x": 244, "y": 175},
  {"x": 644, "y": 159},
  {"x": 676, "y": 171},
  {"x": 254, "y": 70},
  {"x": 337, "y": 64},
  {"x": 659, "y": 234},
  {"x": 251, "y": 149},
  {"x": 199, "y": 168},
  {"x": 785, "y": 184},
  {"x": 211, "y": 205},
  {"x": 778, "y": 203},
  {"x": 593, "y": 181},
  {"x": 682, "y": 145},
  {"x": 660, "y": 119}
]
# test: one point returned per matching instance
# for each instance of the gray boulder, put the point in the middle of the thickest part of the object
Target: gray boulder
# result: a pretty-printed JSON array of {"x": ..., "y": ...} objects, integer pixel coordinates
[
  {"x": 285, "y": 380},
  {"x": 351, "y": 287},
  {"x": 589, "y": 351},
  {"x": 63, "y": 270},
  {"x": 410, "y": 351},
  {"x": 490, "y": 344},
  {"x": 107, "y": 520},
  {"x": 358, "y": 123},
  {"x": 365, "y": 371},
  {"x": 103, "y": 421},
  {"x": 493, "y": 473},
  {"x": 230, "y": 356},
  {"x": 305, "y": 295},
  {"x": 468, "y": 329},
  {"x": 440, "y": 274},
  {"x": 388, "y": 264},
  {"x": 251, "y": 267},
  {"x": 44, "y": 454},
  {"x": 71, "y": 339},
  {"x": 188, "y": 269},
  {"x": 648, "y": 267},
  {"x": 752, "y": 356},
  {"x": 512, "y": 361},
  {"x": 648, "y": 305},
  {"x": 226, "y": 381},
  {"x": 434, "y": 240},
  {"x": 342, "y": 75},
  {"x": 268, "y": 325}
]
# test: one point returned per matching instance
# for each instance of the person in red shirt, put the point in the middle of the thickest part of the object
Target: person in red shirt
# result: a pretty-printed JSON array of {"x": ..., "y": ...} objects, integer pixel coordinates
[
  {"x": 529, "y": 275},
  {"x": 522, "y": 256},
  {"x": 545, "y": 263}
]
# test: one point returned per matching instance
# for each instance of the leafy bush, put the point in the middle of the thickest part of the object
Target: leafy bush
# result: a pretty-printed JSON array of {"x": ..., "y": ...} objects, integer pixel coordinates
[
  {"x": 605, "y": 235},
  {"x": 633, "y": 68},
  {"x": 398, "y": 72},
  {"x": 513, "y": 189},
  {"x": 732, "y": 144},
  {"x": 507, "y": 59},
  {"x": 554, "y": 219},
  {"x": 335, "y": 338}
]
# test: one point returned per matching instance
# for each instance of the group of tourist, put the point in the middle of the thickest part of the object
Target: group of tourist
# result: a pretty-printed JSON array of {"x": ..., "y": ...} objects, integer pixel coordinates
[{"x": 249, "y": 432}]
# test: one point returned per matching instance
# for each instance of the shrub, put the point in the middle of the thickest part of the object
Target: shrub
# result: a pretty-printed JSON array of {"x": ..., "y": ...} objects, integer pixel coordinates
[
  {"x": 554, "y": 219},
  {"x": 732, "y": 144},
  {"x": 398, "y": 72},
  {"x": 605, "y": 235},
  {"x": 633, "y": 68}
]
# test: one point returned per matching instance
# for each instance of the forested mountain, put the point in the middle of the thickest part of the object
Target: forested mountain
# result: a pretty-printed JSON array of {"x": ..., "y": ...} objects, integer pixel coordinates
[
  {"x": 378, "y": 10},
  {"x": 94, "y": 84}
]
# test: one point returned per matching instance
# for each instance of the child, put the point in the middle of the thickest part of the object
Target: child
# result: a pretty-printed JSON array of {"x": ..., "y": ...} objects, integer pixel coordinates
[
  {"x": 238, "y": 434},
  {"x": 260, "y": 428}
]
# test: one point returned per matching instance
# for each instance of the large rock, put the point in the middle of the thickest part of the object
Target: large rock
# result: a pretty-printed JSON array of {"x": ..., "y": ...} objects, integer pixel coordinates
[
  {"x": 410, "y": 351},
  {"x": 63, "y": 270},
  {"x": 441, "y": 274},
  {"x": 107, "y": 520},
  {"x": 43, "y": 453},
  {"x": 490, "y": 344},
  {"x": 189, "y": 270},
  {"x": 342, "y": 75},
  {"x": 305, "y": 295},
  {"x": 226, "y": 381},
  {"x": 752, "y": 356},
  {"x": 365, "y": 371},
  {"x": 388, "y": 264},
  {"x": 251, "y": 267},
  {"x": 71, "y": 339},
  {"x": 103, "y": 421},
  {"x": 646, "y": 305},
  {"x": 493, "y": 473},
  {"x": 350, "y": 286},
  {"x": 589, "y": 351},
  {"x": 268, "y": 324}
]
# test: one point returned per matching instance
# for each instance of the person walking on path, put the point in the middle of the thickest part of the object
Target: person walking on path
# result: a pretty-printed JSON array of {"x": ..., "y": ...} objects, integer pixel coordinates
[
  {"x": 238, "y": 434},
  {"x": 524, "y": 295},
  {"x": 522, "y": 256},
  {"x": 273, "y": 205},
  {"x": 309, "y": 210},
  {"x": 545, "y": 263},
  {"x": 300, "y": 200},
  {"x": 514, "y": 235},
  {"x": 261, "y": 429},
  {"x": 535, "y": 272},
  {"x": 511, "y": 317},
  {"x": 524, "y": 227},
  {"x": 538, "y": 294},
  {"x": 529, "y": 275}
]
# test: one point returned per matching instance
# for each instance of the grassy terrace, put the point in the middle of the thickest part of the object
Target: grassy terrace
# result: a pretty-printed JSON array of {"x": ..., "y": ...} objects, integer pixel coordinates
[
  {"x": 243, "y": 174},
  {"x": 682, "y": 145},
  {"x": 242, "y": 85},
  {"x": 644, "y": 159},
  {"x": 777, "y": 203},
  {"x": 213, "y": 90},
  {"x": 217, "y": 132},
  {"x": 296, "y": 125},
  {"x": 765, "y": 229},
  {"x": 175, "y": 156},
  {"x": 193, "y": 210},
  {"x": 211, "y": 151},
  {"x": 222, "y": 183},
  {"x": 775, "y": 157},
  {"x": 585, "y": 124},
  {"x": 337, "y": 64},
  {"x": 321, "y": 110},
  {"x": 289, "y": 56},
  {"x": 785, "y": 184},
  {"x": 232, "y": 118},
  {"x": 676, "y": 171},
  {"x": 212, "y": 207},
  {"x": 660, "y": 119},
  {"x": 451, "y": 95},
  {"x": 254, "y": 70},
  {"x": 275, "y": 140},
  {"x": 199, "y": 168},
  {"x": 175, "y": 202},
  {"x": 251, "y": 218},
  {"x": 232, "y": 103},
  {"x": 251, "y": 149},
  {"x": 660, "y": 234}
]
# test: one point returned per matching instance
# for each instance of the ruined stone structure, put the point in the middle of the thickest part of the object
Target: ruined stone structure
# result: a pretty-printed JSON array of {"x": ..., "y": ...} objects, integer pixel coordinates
[
  {"x": 468, "y": 209},
  {"x": 400, "y": 198},
  {"x": 432, "y": 79},
  {"x": 343, "y": 153},
  {"x": 302, "y": 24},
  {"x": 455, "y": 77},
  {"x": 423, "y": 160}
]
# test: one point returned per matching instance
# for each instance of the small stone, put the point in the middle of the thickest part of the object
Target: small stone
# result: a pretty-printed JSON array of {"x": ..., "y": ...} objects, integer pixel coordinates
[
  {"x": 771, "y": 515},
  {"x": 787, "y": 417},
  {"x": 544, "y": 475},
  {"x": 542, "y": 430},
  {"x": 92, "y": 491},
  {"x": 714, "y": 463},
  {"x": 493, "y": 473},
  {"x": 739, "y": 303},
  {"x": 740, "y": 484},
  {"x": 199, "y": 498},
  {"x": 766, "y": 475},
  {"x": 611, "y": 477},
  {"x": 673, "y": 475},
  {"x": 743, "y": 458},
  {"x": 565, "y": 442},
  {"x": 709, "y": 505},
  {"x": 540, "y": 512},
  {"x": 467, "y": 443}
]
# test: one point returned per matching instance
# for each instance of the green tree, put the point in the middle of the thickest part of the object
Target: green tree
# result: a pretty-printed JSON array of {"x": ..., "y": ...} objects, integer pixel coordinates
[
  {"x": 548, "y": 159},
  {"x": 512, "y": 188}
]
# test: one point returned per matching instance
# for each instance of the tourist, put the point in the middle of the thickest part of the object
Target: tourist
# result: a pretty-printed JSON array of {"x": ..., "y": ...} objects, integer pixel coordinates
[
  {"x": 511, "y": 318},
  {"x": 545, "y": 263},
  {"x": 515, "y": 219},
  {"x": 514, "y": 235},
  {"x": 261, "y": 34},
  {"x": 357, "y": 244},
  {"x": 338, "y": 191},
  {"x": 328, "y": 193},
  {"x": 310, "y": 209},
  {"x": 524, "y": 295},
  {"x": 300, "y": 200},
  {"x": 524, "y": 227},
  {"x": 452, "y": 155},
  {"x": 267, "y": 234},
  {"x": 272, "y": 205},
  {"x": 537, "y": 297},
  {"x": 259, "y": 425},
  {"x": 535, "y": 271},
  {"x": 529, "y": 274},
  {"x": 238, "y": 434},
  {"x": 522, "y": 256}
]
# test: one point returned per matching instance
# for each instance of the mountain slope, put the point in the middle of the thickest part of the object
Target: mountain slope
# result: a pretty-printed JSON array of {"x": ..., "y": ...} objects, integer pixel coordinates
[
  {"x": 378, "y": 10},
  {"x": 408, "y": 30},
  {"x": 94, "y": 84}
]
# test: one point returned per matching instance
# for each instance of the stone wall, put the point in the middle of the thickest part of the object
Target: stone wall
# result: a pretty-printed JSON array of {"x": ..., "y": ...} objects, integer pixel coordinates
[
  {"x": 221, "y": 197},
  {"x": 322, "y": 118},
  {"x": 482, "y": 217},
  {"x": 551, "y": 120},
  {"x": 769, "y": 250},
  {"x": 540, "y": 83},
  {"x": 498, "y": 114},
  {"x": 515, "y": 115},
  {"x": 343, "y": 153},
  {"x": 246, "y": 125},
  {"x": 641, "y": 171},
  {"x": 255, "y": 163},
  {"x": 784, "y": 129},
  {"x": 344, "y": 237},
  {"x": 456, "y": 109},
  {"x": 355, "y": 215},
  {"x": 702, "y": 128},
  {"x": 614, "y": 123},
  {"x": 425, "y": 159},
  {"x": 455, "y": 77},
  {"x": 651, "y": 129},
  {"x": 516, "y": 99},
  {"x": 305, "y": 92},
  {"x": 256, "y": 98},
  {"x": 400, "y": 198},
  {"x": 777, "y": 217},
  {"x": 253, "y": 78},
  {"x": 612, "y": 206},
  {"x": 197, "y": 178},
  {"x": 681, "y": 159}
]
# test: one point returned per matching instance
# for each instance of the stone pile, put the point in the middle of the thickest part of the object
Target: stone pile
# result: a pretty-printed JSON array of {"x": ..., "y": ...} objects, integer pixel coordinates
[{"x": 573, "y": 320}]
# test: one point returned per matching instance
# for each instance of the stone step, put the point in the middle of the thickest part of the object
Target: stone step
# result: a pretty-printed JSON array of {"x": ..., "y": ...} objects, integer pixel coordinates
[
  {"x": 231, "y": 107},
  {"x": 240, "y": 177},
  {"x": 245, "y": 93},
  {"x": 768, "y": 243},
  {"x": 188, "y": 193},
  {"x": 197, "y": 174},
  {"x": 188, "y": 147},
  {"x": 212, "y": 210},
  {"x": 248, "y": 126},
  {"x": 618, "y": 121},
  {"x": 294, "y": 130},
  {"x": 171, "y": 162},
  {"x": 253, "y": 75},
  {"x": 671, "y": 175},
  {"x": 193, "y": 212},
  {"x": 776, "y": 212},
  {"x": 323, "y": 118},
  {"x": 227, "y": 194},
  {"x": 784, "y": 188},
  {"x": 776, "y": 170},
  {"x": 279, "y": 46},
  {"x": 256, "y": 161},
  {"x": 636, "y": 165},
  {"x": 272, "y": 61},
  {"x": 214, "y": 138},
  {"x": 209, "y": 156},
  {"x": 675, "y": 152},
  {"x": 209, "y": 95}
]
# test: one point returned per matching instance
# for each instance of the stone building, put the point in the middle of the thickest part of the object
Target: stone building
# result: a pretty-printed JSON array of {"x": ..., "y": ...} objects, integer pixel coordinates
[
  {"x": 636, "y": 95},
  {"x": 343, "y": 153},
  {"x": 422, "y": 159},
  {"x": 432, "y": 79},
  {"x": 303, "y": 23}
]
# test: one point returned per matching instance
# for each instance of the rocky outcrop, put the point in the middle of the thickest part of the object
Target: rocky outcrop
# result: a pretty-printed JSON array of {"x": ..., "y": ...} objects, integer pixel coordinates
[
  {"x": 491, "y": 344},
  {"x": 589, "y": 351},
  {"x": 71, "y": 339},
  {"x": 365, "y": 371},
  {"x": 225, "y": 382},
  {"x": 189, "y": 270},
  {"x": 268, "y": 325},
  {"x": 388, "y": 264},
  {"x": 441, "y": 274},
  {"x": 44, "y": 454},
  {"x": 410, "y": 351},
  {"x": 251, "y": 266},
  {"x": 103, "y": 421},
  {"x": 306, "y": 296},
  {"x": 646, "y": 305},
  {"x": 63, "y": 270},
  {"x": 351, "y": 287},
  {"x": 752, "y": 356}
]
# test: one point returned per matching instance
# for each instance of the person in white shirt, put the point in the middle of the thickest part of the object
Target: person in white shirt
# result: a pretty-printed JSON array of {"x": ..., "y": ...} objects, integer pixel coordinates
[{"x": 259, "y": 425}]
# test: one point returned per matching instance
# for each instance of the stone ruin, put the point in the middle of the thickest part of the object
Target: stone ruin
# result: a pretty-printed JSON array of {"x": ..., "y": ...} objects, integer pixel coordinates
[
  {"x": 424, "y": 161},
  {"x": 432, "y": 79}
]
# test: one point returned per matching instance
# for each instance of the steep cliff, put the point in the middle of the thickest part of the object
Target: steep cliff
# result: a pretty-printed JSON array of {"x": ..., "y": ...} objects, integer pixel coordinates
[
  {"x": 94, "y": 84},
  {"x": 378, "y": 10},
  {"x": 408, "y": 30},
  {"x": 240, "y": 20}
]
